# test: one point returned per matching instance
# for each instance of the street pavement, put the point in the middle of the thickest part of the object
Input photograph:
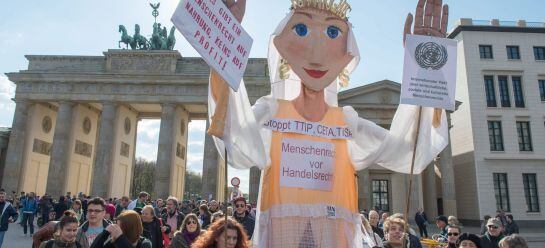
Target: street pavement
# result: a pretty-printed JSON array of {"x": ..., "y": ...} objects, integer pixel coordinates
[{"x": 534, "y": 236}]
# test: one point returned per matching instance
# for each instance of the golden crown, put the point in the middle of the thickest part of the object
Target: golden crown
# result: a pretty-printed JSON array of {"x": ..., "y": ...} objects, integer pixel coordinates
[{"x": 340, "y": 9}]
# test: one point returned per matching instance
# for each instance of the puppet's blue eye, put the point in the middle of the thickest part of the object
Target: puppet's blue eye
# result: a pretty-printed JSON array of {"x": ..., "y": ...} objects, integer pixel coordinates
[
  {"x": 300, "y": 29},
  {"x": 333, "y": 32}
]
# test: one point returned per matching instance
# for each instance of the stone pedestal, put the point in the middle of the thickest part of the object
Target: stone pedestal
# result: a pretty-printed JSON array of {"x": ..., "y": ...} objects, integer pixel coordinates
[
  {"x": 430, "y": 191},
  {"x": 210, "y": 168},
  {"x": 60, "y": 151},
  {"x": 105, "y": 148},
  {"x": 164, "y": 153},
  {"x": 364, "y": 191},
  {"x": 447, "y": 178},
  {"x": 14, "y": 158},
  {"x": 255, "y": 177}
]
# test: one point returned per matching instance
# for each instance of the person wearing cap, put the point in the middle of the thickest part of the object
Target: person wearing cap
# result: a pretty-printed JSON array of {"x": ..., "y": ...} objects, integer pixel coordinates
[
  {"x": 441, "y": 222},
  {"x": 493, "y": 234},
  {"x": 468, "y": 240}
]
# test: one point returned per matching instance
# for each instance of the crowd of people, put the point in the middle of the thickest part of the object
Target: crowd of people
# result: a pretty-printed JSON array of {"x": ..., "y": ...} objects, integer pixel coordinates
[
  {"x": 387, "y": 231},
  {"x": 82, "y": 221},
  {"x": 88, "y": 222}
]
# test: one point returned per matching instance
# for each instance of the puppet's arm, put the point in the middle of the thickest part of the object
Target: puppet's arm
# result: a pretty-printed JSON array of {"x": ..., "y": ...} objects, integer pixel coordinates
[{"x": 393, "y": 149}]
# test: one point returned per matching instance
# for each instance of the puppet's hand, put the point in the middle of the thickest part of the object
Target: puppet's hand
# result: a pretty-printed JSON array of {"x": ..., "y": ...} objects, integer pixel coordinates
[
  {"x": 237, "y": 8},
  {"x": 432, "y": 21}
]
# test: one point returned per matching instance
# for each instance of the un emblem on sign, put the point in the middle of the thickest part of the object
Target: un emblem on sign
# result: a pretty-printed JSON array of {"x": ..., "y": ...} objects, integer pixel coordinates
[{"x": 431, "y": 55}]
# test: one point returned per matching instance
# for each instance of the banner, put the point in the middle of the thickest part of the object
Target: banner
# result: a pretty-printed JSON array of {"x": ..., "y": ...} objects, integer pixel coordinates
[
  {"x": 429, "y": 72},
  {"x": 218, "y": 37}
]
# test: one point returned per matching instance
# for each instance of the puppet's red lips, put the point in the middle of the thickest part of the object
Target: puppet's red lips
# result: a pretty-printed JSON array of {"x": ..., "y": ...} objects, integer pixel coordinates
[{"x": 315, "y": 73}]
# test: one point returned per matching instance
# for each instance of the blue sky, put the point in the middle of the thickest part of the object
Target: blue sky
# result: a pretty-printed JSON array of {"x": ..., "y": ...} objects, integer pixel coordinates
[{"x": 68, "y": 27}]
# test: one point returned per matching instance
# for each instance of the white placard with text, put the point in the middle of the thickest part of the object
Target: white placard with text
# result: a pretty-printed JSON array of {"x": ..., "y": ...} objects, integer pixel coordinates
[
  {"x": 307, "y": 164},
  {"x": 429, "y": 72},
  {"x": 216, "y": 35}
]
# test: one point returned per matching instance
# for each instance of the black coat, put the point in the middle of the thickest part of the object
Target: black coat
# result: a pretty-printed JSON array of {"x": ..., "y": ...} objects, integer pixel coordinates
[
  {"x": 248, "y": 222},
  {"x": 59, "y": 209},
  {"x": 152, "y": 232},
  {"x": 179, "y": 220},
  {"x": 488, "y": 241}
]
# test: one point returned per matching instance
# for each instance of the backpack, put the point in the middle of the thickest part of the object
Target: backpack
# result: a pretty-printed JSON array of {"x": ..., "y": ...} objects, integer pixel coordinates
[{"x": 51, "y": 242}]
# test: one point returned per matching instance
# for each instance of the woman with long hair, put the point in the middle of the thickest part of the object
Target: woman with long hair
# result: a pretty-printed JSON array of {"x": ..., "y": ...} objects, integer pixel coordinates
[
  {"x": 67, "y": 230},
  {"x": 215, "y": 236},
  {"x": 49, "y": 230},
  {"x": 204, "y": 216},
  {"x": 126, "y": 233},
  {"x": 189, "y": 231}
]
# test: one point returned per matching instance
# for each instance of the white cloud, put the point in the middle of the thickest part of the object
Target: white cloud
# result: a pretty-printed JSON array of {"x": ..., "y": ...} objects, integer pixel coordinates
[
  {"x": 7, "y": 106},
  {"x": 146, "y": 150},
  {"x": 150, "y": 129},
  {"x": 197, "y": 126}
]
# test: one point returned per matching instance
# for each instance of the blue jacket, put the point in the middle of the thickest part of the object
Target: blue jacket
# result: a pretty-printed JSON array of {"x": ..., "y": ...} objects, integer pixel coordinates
[
  {"x": 7, "y": 212},
  {"x": 30, "y": 205}
]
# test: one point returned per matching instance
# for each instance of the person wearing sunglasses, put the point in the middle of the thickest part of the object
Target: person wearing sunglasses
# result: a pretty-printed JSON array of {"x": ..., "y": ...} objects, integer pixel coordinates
[
  {"x": 243, "y": 217},
  {"x": 188, "y": 233},
  {"x": 453, "y": 232},
  {"x": 493, "y": 234}
]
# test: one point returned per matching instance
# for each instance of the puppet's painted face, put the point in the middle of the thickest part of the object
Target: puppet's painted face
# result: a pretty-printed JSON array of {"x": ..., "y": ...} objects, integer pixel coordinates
[{"x": 314, "y": 42}]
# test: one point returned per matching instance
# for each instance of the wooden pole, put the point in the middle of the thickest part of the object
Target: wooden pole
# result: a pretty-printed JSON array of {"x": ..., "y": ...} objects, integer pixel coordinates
[
  {"x": 226, "y": 198},
  {"x": 408, "y": 203}
]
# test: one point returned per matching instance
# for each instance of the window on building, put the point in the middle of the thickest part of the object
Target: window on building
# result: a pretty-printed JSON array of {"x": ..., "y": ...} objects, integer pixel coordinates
[
  {"x": 504, "y": 91},
  {"x": 513, "y": 52},
  {"x": 495, "y": 135},
  {"x": 542, "y": 89},
  {"x": 539, "y": 53},
  {"x": 380, "y": 195},
  {"x": 501, "y": 192},
  {"x": 490, "y": 91},
  {"x": 530, "y": 192},
  {"x": 525, "y": 136},
  {"x": 486, "y": 52},
  {"x": 517, "y": 92}
]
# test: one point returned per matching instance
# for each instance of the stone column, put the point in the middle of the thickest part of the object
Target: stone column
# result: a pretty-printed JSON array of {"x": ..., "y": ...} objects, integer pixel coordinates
[
  {"x": 210, "y": 168},
  {"x": 105, "y": 148},
  {"x": 16, "y": 148},
  {"x": 60, "y": 150},
  {"x": 447, "y": 178},
  {"x": 430, "y": 191},
  {"x": 416, "y": 196},
  {"x": 255, "y": 176},
  {"x": 165, "y": 152},
  {"x": 364, "y": 191}
]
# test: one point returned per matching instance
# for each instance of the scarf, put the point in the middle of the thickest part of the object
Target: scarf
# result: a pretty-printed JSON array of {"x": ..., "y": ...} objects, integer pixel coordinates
[{"x": 190, "y": 237}]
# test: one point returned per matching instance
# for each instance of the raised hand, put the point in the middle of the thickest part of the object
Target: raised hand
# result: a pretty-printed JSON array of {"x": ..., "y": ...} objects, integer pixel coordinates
[
  {"x": 237, "y": 8},
  {"x": 431, "y": 18}
]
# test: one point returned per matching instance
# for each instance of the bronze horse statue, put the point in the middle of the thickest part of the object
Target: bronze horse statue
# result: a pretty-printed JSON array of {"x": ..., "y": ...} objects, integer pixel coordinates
[
  {"x": 140, "y": 41},
  {"x": 126, "y": 38}
]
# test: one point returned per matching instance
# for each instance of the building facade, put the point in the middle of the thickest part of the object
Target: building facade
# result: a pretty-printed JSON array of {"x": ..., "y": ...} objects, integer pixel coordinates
[{"x": 498, "y": 133}]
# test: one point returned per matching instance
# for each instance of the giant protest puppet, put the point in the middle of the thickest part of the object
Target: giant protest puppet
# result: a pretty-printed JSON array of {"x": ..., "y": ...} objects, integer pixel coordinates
[{"x": 307, "y": 147}]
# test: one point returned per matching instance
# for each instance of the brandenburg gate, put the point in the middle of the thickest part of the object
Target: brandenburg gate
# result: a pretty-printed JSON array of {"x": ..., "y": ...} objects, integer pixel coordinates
[{"x": 75, "y": 121}]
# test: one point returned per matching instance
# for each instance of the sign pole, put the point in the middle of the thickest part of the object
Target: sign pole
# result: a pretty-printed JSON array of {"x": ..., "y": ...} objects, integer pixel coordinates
[
  {"x": 408, "y": 203},
  {"x": 226, "y": 200}
]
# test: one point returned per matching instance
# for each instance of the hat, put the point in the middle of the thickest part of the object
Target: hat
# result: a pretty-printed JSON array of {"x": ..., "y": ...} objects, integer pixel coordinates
[
  {"x": 471, "y": 237},
  {"x": 442, "y": 218},
  {"x": 493, "y": 222},
  {"x": 110, "y": 209}
]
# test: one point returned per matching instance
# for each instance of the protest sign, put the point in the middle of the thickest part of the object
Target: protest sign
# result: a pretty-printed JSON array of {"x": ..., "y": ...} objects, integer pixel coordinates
[
  {"x": 218, "y": 37},
  {"x": 429, "y": 72}
]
